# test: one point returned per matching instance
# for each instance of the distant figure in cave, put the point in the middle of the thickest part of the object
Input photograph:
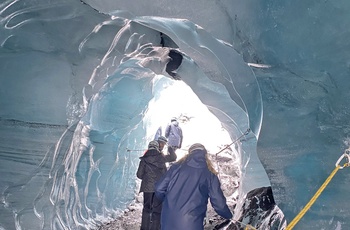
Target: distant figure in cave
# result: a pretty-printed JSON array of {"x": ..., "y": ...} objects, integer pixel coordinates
[
  {"x": 158, "y": 133},
  {"x": 151, "y": 168},
  {"x": 185, "y": 190},
  {"x": 174, "y": 134}
]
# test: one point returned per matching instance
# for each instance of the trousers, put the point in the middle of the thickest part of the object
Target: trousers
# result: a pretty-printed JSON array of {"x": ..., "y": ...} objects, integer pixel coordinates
[{"x": 152, "y": 208}]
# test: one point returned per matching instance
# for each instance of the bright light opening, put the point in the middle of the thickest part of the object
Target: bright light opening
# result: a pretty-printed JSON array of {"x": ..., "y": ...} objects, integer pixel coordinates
[{"x": 199, "y": 125}]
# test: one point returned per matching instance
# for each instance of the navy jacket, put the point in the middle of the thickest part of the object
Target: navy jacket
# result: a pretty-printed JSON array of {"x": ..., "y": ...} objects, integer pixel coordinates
[
  {"x": 185, "y": 190},
  {"x": 152, "y": 167}
]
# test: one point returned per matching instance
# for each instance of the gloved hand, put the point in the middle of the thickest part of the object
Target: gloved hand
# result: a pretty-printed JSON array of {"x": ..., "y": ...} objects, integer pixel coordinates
[{"x": 222, "y": 225}]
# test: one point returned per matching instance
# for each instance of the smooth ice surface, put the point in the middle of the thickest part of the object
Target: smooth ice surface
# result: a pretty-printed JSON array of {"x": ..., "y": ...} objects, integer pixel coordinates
[{"x": 76, "y": 83}]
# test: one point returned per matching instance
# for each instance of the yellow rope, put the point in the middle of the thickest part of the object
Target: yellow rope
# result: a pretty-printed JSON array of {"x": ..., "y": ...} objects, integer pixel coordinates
[
  {"x": 312, "y": 201},
  {"x": 249, "y": 227},
  {"x": 346, "y": 155},
  {"x": 308, "y": 205}
]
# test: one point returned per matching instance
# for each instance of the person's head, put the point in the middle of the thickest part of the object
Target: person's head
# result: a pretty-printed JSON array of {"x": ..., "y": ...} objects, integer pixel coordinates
[
  {"x": 174, "y": 121},
  {"x": 197, "y": 147},
  {"x": 162, "y": 142},
  {"x": 153, "y": 145}
]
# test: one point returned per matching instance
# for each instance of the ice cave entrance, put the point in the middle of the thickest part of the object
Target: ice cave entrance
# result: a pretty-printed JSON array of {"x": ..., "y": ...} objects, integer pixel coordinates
[{"x": 174, "y": 98}]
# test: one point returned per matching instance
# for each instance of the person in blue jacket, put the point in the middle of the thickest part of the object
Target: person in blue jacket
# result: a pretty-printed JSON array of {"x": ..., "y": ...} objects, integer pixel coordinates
[
  {"x": 174, "y": 134},
  {"x": 185, "y": 190}
]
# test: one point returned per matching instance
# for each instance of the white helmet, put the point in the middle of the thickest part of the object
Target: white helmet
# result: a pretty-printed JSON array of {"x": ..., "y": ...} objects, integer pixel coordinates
[
  {"x": 162, "y": 139},
  {"x": 153, "y": 145}
]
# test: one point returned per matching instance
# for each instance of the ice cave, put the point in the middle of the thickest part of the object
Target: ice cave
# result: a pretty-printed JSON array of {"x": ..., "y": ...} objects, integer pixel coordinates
[{"x": 84, "y": 82}]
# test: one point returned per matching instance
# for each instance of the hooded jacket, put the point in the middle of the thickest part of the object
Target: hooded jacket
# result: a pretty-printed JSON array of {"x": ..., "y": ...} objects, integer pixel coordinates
[
  {"x": 152, "y": 167},
  {"x": 185, "y": 190},
  {"x": 174, "y": 134}
]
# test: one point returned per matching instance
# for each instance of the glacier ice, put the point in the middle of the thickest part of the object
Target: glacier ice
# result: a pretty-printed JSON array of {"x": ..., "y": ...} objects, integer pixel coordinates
[{"x": 67, "y": 69}]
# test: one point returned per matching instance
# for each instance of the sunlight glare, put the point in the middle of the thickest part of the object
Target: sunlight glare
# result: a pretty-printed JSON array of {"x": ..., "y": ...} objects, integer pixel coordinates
[{"x": 199, "y": 125}]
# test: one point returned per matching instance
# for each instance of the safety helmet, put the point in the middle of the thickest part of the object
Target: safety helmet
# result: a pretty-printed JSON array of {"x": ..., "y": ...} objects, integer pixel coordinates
[
  {"x": 153, "y": 145},
  {"x": 162, "y": 139}
]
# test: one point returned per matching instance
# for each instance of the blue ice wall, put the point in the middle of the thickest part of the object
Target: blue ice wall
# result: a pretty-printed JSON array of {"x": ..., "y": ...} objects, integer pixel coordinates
[{"x": 48, "y": 77}]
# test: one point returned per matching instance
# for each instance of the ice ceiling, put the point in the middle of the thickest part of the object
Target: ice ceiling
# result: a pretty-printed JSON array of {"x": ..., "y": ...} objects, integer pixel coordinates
[{"x": 60, "y": 67}]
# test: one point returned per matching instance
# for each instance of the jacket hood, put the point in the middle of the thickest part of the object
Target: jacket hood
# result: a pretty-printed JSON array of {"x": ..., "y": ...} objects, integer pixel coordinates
[
  {"x": 197, "y": 159},
  {"x": 175, "y": 123}
]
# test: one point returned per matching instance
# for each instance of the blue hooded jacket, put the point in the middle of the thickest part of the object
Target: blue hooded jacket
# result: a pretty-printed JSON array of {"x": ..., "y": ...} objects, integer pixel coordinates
[
  {"x": 185, "y": 190},
  {"x": 174, "y": 134}
]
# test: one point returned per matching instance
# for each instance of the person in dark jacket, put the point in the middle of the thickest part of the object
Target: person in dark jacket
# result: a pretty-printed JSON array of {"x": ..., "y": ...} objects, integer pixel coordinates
[
  {"x": 185, "y": 190},
  {"x": 151, "y": 168}
]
